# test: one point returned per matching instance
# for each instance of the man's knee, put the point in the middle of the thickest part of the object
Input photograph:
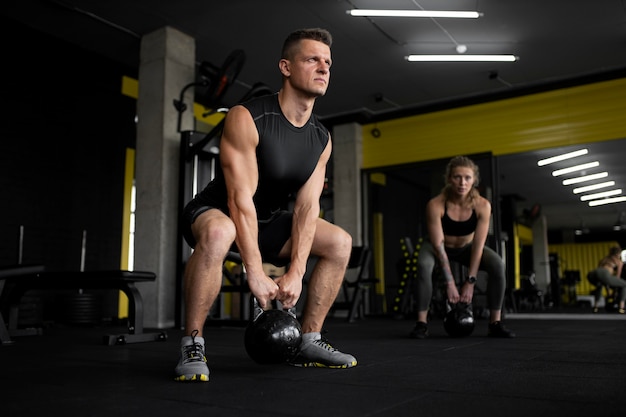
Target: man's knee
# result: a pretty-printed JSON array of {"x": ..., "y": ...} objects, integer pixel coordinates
[
  {"x": 337, "y": 245},
  {"x": 216, "y": 233}
]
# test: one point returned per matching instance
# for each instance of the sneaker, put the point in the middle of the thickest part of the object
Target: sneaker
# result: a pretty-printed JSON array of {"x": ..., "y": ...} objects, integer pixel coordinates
[
  {"x": 317, "y": 352},
  {"x": 420, "y": 331},
  {"x": 192, "y": 364},
  {"x": 497, "y": 329}
]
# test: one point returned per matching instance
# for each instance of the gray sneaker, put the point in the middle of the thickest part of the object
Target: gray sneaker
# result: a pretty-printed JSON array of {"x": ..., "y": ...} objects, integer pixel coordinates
[
  {"x": 317, "y": 352},
  {"x": 192, "y": 363}
]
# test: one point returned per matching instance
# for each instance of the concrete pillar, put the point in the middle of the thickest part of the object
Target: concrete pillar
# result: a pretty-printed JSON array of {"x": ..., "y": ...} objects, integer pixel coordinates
[
  {"x": 347, "y": 163},
  {"x": 167, "y": 64},
  {"x": 541, "y": 258}
]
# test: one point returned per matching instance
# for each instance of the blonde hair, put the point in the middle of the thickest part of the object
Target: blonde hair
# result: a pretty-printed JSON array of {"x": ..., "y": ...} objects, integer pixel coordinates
[{"x": 464, "y": 162}]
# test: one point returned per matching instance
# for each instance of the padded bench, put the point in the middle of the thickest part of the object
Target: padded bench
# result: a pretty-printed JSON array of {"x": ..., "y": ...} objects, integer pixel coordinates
[{"x": 20, "y": 279}]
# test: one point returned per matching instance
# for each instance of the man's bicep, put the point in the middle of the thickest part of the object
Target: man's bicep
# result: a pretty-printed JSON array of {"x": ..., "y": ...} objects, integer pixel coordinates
[{"x": 238, "y": 150}]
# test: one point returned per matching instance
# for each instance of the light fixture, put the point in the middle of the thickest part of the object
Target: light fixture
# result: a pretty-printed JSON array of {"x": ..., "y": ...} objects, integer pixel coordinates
[
  {"x": 600, "y": 195},
  {"x": 582, "y": 230},
  {"x": 619, "y": 224},
  {"x": 562, "y": 157},
  {"x": 607, "y": 201},
  {"x": 584, "y": 178},
  {"x": 575, "y": 168},
  {"x": 593, "y": 187},
  {"x": 413, "y": 13},
  {"x": 461, "y": 58}
]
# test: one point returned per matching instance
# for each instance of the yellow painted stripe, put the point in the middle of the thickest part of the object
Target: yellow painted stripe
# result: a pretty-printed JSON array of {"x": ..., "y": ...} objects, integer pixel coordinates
[
  {"x": 129, "y": 176},
  {"x": 569, "y": 116},
  {"x": 130, "y": 87}
]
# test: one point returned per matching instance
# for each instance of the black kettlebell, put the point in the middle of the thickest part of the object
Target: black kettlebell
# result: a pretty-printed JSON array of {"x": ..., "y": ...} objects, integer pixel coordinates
[
  {"x": 273, "y": 336},
  {"x": 459, "y": 319}
]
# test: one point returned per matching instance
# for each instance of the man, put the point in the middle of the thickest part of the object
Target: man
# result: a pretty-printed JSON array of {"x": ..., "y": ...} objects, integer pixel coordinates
[{"x": 272, "y": 149}]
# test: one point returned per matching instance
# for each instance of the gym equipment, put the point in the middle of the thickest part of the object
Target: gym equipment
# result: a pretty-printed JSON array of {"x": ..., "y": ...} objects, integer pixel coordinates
[
  {"x": 220, "y": 79},
  {"x": 459, "y": 320},
  {"x": 273, "y": 336},
  {"x": 22, "y": 279}
]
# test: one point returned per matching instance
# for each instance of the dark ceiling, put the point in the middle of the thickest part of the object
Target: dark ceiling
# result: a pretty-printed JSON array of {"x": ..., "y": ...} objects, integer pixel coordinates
[{"x": 558, "y": 42}]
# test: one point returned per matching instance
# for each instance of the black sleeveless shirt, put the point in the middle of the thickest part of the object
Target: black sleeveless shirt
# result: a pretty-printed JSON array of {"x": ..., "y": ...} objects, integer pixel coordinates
[
  {"x": 286, "y": 157},
  {"x": 454, "y": 228}
]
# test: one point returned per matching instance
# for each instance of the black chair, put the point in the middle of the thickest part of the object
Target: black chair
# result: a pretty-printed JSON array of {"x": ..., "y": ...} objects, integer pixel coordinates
[
  {"x": 356, "y": 283},
  {"x": 528, "y": 296}
]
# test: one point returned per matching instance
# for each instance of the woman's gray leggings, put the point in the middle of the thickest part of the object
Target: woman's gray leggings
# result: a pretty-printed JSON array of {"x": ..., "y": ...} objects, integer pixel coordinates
[
  {"x": 490, "y": 262},
  {"x": 604, "y": 276}
]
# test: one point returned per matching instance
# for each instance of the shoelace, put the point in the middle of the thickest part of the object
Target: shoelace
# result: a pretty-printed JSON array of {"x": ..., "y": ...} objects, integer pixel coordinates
[
  {"x": 193, "y": 352},
  {"x": 323, "y": 343}
]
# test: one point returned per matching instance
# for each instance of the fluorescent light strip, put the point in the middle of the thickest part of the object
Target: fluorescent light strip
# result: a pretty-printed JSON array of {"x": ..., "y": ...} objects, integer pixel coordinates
[
  {"x": 575, "y": 168},
  {"x": 461, "y": 58},
  {"x": 414, "y": 13},
  {"x": 593, "y": 187},
  {"x": 562, "y": 157},
  {"x": 600, "y": 195},
  {"x": 576, "y": 180},
  {"x": 607, "y": 201}
]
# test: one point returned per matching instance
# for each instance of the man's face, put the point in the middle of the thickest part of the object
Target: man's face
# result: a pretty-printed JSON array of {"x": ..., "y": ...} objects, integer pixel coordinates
[{"x": 309, "y": 69}]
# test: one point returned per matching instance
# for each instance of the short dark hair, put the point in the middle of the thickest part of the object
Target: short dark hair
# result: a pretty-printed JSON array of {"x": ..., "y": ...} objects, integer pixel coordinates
[{"x": 294, "y": 38}]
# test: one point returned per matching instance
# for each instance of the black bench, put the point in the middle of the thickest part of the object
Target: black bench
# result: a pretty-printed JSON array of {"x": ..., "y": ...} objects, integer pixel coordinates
[{"x": 23, "y": 278}]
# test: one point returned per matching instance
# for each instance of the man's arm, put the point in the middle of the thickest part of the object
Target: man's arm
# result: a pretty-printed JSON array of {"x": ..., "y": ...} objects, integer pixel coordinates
[
  {"x": 305, "y": 216},
  {"x": 239, "y": 164},
  {"x": 306, "y": 212}
]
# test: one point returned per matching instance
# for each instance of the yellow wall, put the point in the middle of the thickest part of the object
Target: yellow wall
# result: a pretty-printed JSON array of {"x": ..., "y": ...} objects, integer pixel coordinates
[
  {"x": 583, "y": 114},
  {"x": 582, "y": 257}
]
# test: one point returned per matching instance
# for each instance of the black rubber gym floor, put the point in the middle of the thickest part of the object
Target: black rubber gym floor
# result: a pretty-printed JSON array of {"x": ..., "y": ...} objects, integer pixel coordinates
[{"x": 559, "y": 365}]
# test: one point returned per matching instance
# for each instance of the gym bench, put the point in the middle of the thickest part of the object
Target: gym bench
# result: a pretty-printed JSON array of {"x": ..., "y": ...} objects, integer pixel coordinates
[{"x": 20, "y": 279}]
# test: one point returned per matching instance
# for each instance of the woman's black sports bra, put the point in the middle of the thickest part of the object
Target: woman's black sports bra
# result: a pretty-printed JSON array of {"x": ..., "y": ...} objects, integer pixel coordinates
[{"x": 453, "y": 228}]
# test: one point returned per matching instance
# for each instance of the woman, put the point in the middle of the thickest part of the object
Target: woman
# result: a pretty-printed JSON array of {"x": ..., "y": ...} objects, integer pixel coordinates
[
  {"x": 608, "y": 272},
  {"x": 458, "y": 223}
]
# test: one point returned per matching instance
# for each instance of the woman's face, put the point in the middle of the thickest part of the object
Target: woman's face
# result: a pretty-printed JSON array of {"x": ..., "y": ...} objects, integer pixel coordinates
[{"x": 462, "y": 180}]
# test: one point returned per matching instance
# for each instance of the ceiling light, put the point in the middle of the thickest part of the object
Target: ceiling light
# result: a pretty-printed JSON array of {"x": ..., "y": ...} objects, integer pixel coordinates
[
  {"x": 414, "y": 13},
  {"x": 461, "y": 58},
  {"x": 561, "y": 157},
  {"x": 575, "y": 168},
  {"x": 593, "y": 187},
  {"x": 584, "y": 178},
  {"x": 607, "y": 201},
  {"x": 620, "y": 224},
  {"x": 600, "y": 195}
]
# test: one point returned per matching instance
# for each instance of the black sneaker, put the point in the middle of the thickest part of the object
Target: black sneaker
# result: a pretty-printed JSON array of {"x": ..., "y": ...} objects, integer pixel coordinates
[
  {"x": 420, "y": 331},
  {"x": 497, "y": 329}
]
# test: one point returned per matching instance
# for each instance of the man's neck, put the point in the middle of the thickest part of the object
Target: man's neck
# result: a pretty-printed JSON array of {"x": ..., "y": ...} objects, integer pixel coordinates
[{"x": 296, "y": 108}]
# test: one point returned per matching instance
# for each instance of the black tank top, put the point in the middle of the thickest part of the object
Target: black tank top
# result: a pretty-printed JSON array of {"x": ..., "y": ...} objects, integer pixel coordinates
[
  {"x": 286, "y": 156},
  {"x": 454, "y": 228}
]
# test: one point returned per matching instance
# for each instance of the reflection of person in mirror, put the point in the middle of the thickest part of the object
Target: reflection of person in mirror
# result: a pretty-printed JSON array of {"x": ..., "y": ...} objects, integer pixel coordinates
[
  {"x": 457, "y": 221},
  {"x": 609, "y": 272}
]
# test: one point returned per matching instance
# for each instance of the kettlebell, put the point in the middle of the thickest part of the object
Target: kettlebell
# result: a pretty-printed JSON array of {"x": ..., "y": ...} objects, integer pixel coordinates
[
  {"x": 273, "y": 336},
  {"x": 459, "y": 319}
]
